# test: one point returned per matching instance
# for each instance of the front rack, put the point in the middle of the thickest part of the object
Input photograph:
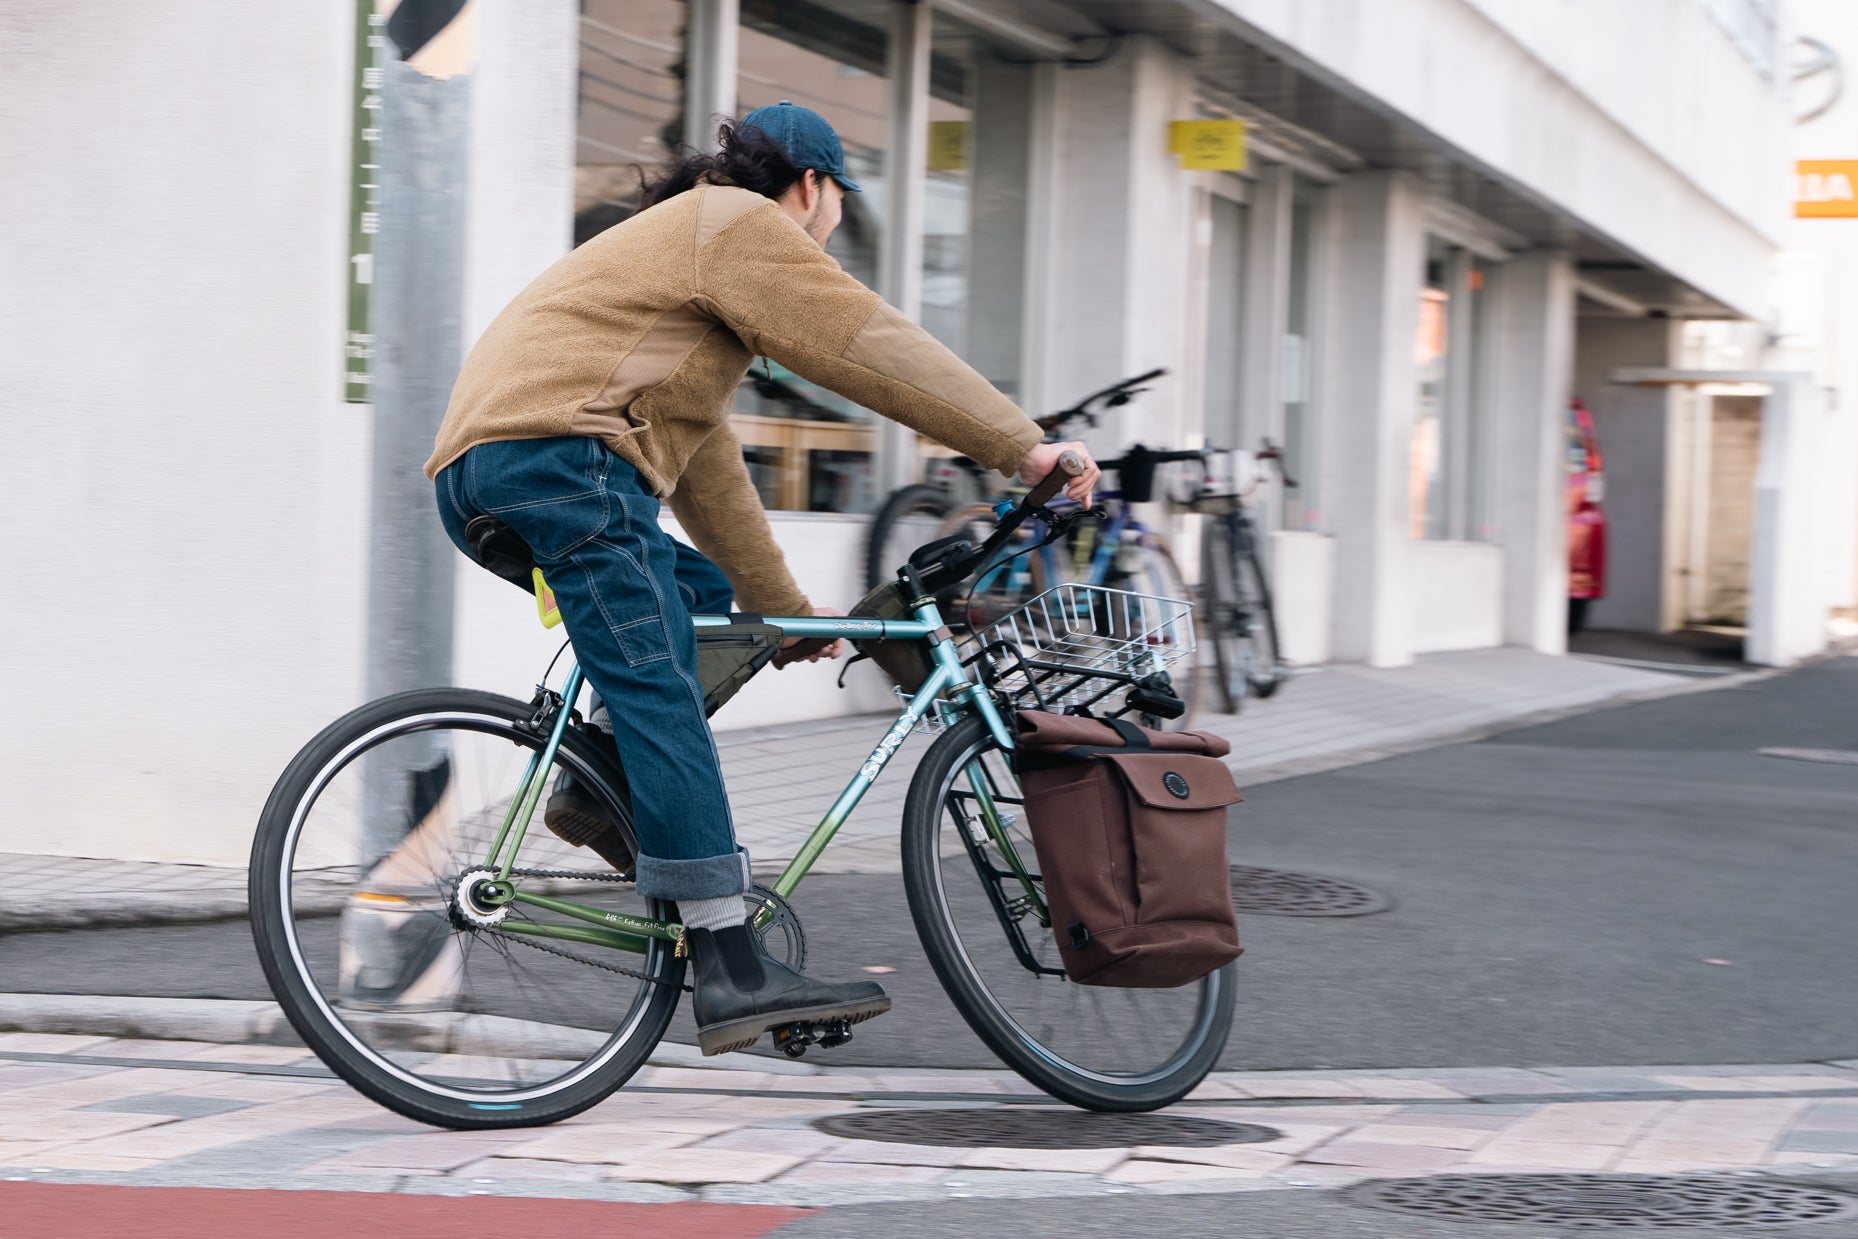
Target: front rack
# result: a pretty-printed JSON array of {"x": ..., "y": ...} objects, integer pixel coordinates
[{"x": 1074, "y": 644}]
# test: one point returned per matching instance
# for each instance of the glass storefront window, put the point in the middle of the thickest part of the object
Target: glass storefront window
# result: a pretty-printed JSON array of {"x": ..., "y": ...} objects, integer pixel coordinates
[
  {"x": 1447, "y": 470},
  {"x": 631, "y": 109},
  {"x": 1225, "y": 267},
  {"x": 974, "y": 207},
  {"x": 810, "y": 449}
]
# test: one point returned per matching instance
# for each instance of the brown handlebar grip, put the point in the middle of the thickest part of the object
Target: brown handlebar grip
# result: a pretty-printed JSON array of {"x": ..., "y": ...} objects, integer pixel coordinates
[{"x": 1070, "y": 464}]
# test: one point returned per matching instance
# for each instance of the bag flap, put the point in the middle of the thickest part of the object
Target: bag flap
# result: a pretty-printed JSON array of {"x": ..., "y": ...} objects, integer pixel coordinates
[
  {"x": 1166, "y": 781},
  {"x": 1040, "y": 731}
]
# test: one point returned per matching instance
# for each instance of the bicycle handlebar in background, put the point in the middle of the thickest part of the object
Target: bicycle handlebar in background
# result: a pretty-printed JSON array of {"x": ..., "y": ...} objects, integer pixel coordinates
[{"x": 1117, "y": 393}]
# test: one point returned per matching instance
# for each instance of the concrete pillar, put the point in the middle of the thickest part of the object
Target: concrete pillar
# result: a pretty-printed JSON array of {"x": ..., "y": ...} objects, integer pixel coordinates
[
  {"x": 1646, "y": 510},
  {"x": 1116, "y": 212},
  {"x": 1535, "y": 359},
  {"x": 1788, "y": 590},
  {"x": 1379, "y": 242}
]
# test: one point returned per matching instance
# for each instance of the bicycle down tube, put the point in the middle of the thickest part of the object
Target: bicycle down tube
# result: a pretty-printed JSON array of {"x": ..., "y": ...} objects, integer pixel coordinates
[{"x": 632, "y": 933}]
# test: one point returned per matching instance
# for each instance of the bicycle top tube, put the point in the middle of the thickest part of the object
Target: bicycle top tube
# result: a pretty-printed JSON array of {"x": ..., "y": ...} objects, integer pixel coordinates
[{"x": 830, "y": 625}]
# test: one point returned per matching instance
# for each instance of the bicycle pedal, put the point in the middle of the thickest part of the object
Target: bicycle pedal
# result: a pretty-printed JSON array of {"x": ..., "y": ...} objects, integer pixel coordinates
[
  {"x": 835, "y": 1034},
  {"x": 792, "y": 1039}
]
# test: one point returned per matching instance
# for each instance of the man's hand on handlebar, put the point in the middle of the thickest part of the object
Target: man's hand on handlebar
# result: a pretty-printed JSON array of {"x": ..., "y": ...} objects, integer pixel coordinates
[{"x": 1043, "y": 458}]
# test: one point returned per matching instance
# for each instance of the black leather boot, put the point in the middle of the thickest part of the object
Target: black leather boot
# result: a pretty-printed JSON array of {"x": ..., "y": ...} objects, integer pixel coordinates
[
  {"x": 577, "y": 818},
  {"x": 741, "y": 992}
]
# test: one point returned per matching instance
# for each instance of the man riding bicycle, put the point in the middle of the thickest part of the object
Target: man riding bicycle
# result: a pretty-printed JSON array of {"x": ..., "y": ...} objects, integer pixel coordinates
[{"x": 606, "y": 386}]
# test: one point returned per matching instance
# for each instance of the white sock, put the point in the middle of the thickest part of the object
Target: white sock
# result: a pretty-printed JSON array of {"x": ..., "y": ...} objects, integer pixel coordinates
[{"x": 713, "y": 914}]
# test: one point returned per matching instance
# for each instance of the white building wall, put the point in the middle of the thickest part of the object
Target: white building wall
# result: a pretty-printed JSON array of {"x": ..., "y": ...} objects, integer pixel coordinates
[
  {"x": 188, "y": 491},
  {"x": 1450, "y": 67},
  {"x": 1456, "y": 602},
  {"x": 1822, "y": 311}
]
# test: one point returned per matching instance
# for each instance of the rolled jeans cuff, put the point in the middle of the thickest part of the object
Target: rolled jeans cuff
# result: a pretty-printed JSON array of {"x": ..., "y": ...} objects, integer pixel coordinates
[{"x": 708, "y": 877}]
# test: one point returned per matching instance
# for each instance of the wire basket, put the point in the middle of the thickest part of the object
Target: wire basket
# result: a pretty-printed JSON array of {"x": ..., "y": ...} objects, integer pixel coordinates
[{"x": 1074, "y": 644}]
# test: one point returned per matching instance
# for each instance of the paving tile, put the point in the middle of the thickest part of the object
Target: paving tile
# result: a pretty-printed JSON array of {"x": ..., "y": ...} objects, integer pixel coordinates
[
  {"x": 1237, "y": 1157},
  {"x": 1069, "y": 1161},
  {"x": 174, "y": 1105},
  {"x": 262, "y": 1055},
  {"x": 1374, "y": 1155},
  {"x": 1145, "y": 1172},
  {"x": 603, "y": 1144},
  {"x": 1831, "y": 1116},
  {"x": 64, "y": 1125},
  {"x": 698, "y": 1166},
  {"x": 1542, "y": 1155},
  {"x": 498, "y": 1169},
  {"x": 77, "y": 1157},
  {"x": 886, "y": 1154},
  {"x": 802, "y": 1141},
  {"x": 1806, "y": 1141},
  {"x": 1429, "y": 1137},
  {"x": 47, "y": 1043},
  {"x": 1380, "y": 1086},
  {"x": 868, "y": 1173}
]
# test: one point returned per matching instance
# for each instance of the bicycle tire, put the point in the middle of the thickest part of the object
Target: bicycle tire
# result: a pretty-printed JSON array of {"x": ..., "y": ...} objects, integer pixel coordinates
[
  {"x": 367, "y": 1069},
  {"x": 986, "y": 1012},
  {"x": 1162, "y": 578},
  {"x": 919, "y": 499},
  {"x": 1218, "y": 614},
  {"x": 1266, "y": 673}
]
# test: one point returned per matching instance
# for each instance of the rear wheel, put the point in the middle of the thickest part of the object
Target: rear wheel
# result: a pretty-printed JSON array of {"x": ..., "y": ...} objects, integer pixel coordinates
[
  {"x": 376, "y": 921},
  {"x": 1092, "y": 1046},
  {"x": 1236, "y": 615},
  {"x": 909, "y": 518}
]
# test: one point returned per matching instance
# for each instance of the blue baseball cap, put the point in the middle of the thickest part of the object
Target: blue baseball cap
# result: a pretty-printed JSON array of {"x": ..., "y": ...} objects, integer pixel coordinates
[{"x": 806, "y": 137}]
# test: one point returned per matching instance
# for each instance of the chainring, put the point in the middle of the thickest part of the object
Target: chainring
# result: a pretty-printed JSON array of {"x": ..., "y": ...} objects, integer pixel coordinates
[{"x": 780, "y": 933}]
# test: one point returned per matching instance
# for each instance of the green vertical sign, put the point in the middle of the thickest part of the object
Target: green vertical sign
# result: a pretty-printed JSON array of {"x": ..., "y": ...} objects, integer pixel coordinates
[{"x": 364, "y": 202}]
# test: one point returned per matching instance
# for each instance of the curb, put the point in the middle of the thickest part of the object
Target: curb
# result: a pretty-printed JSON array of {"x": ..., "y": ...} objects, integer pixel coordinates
[{"x": 227, "y": 1021}]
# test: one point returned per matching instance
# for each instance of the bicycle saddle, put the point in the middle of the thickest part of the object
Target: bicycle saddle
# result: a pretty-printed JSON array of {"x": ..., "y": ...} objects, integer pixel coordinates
[{"x": 494, "y": 545}]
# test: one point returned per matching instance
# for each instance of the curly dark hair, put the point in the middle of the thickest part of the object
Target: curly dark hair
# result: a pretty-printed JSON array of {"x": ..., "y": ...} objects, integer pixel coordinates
[{"x": 745, "y": 157}]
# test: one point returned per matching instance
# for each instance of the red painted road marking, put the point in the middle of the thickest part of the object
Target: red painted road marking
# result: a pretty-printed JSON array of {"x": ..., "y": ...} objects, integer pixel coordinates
[{"x": 78, "y": 1211}]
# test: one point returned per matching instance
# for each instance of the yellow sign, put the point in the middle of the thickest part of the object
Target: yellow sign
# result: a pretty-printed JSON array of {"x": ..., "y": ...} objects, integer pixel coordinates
[
  {"x": 1826, "y": 189},
  {"x": 1214, "y": 145},
  {"x": 948, "y": 145}
]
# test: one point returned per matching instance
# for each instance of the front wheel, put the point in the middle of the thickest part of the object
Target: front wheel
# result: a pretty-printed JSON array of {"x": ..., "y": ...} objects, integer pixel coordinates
[
  {"x": 374, "y": 913},
  {"x": 1093, "y": 1046},
  {"x": 1236, "y": 614}
]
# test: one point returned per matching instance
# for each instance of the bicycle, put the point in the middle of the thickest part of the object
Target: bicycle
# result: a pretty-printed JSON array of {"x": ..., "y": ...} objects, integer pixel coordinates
[
  {"x": 1235, "y": 596},
  {"x": 1114, "y": 550},
  {"x": 450, "y": 981},
  {"x": 915, "y": 513}
]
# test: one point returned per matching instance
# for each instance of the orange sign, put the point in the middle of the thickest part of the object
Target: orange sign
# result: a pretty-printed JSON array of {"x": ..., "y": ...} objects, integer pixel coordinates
[{"x": 1826, "y": 189}]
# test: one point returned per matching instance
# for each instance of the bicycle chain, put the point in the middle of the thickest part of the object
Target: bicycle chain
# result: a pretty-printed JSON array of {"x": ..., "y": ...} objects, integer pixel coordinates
[{"x": 527, "y": 941}]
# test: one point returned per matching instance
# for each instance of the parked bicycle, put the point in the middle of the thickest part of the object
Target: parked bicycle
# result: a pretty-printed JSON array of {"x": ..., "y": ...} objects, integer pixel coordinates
[
  {"x": 461, "y": 969},
  {"x": 913, "y": 514},
  {"x": 1236, "y": 614}
]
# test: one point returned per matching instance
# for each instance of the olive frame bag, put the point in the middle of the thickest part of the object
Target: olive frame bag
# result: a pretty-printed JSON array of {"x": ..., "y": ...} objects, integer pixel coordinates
[{"x": 1130, "y": 829}]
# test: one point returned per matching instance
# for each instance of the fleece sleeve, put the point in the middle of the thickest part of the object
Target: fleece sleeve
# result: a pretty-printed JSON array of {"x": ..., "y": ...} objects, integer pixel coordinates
[{"x": 789, "y": 300}]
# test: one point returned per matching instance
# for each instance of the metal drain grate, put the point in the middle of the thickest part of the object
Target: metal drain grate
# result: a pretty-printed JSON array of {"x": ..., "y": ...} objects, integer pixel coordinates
[
  {"x": 1023, "y": 1127},
  {"x": 1279, "y": 892},
  {"x": 1606, "y": 1201},
  {"x": 1836, "y": 757}
]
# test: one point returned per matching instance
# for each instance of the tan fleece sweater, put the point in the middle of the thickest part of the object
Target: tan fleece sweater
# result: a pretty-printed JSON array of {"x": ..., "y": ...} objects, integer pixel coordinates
[{"x": 640, "y": 336}]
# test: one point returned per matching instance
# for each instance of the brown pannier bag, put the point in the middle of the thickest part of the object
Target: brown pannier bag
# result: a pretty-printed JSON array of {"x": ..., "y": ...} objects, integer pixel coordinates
[{"x": 1130, "y": 829}]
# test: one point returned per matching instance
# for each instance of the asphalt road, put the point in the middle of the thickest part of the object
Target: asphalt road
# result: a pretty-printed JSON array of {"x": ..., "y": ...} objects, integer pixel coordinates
[{"x": 1631, "y": 886}]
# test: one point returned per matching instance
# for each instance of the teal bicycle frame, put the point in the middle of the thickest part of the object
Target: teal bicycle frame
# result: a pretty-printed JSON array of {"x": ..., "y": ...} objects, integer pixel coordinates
[{"x": 599, "y": 927}]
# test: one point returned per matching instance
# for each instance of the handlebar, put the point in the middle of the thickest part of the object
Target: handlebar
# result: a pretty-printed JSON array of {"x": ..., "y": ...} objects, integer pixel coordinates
[
  {"x": 1116, "y": 393},
  {"x": 951, "y": 560}
]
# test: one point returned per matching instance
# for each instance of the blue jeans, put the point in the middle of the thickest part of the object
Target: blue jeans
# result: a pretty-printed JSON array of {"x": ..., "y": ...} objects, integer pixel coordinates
[{"x": 626, "y": 590}]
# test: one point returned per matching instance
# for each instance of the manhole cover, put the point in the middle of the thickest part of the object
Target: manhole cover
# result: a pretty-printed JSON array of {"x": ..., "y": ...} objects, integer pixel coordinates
[
  {"x": 1020, "y": 1127},
  {"x": 1836, "y": 757},
  {"x": 1606, "y": 1201},
  {"x": 1279, "y": 892}
]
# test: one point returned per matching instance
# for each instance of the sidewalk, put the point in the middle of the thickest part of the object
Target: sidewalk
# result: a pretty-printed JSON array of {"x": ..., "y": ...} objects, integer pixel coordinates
[
  {"x": 782, "y": 781},
  {"x": 742, "y": 1130}
]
